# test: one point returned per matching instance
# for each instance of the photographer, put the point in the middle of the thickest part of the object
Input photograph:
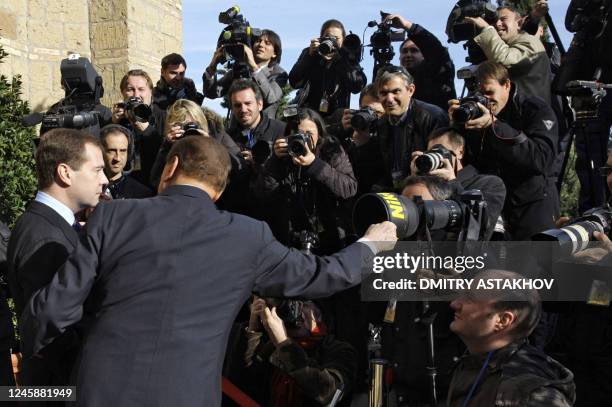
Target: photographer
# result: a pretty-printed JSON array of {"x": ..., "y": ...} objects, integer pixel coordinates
[
  {"x": 514, "y": 137},
  {"x": 464, "y": 178},
  {"x": 428, "y": 61},
  {"x": 117, "y": 145},
  {"x": 290, "y": 359},
  {"x": 148, "y": 131},
  {"x": 173, "y": 85},
  {"x": 326, "y": 73},
  {"x": 405, "y": 126},
  {"x": 263, "y": 62},
  {"x": 308, "y": 190},
  {"x": 521, "y": 53}
]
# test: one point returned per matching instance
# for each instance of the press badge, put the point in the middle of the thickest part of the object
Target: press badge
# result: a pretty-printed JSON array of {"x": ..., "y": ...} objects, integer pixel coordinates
[
  {"x": 324, "y": 105},
  {"x": 599, "y": 294}
]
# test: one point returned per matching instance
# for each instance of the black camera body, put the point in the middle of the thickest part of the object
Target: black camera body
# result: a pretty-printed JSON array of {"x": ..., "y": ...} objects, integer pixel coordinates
[
  {"x": 468, "y": 108},
  {"x": 327, "y": 45},
  {"x": 381, "y": 40},
  {"x": 290, "y": 311},
  {"x": 459, "y": 30},
  {"x": 297, "y": 142},
  {"x": 191, "y": 129},
  {"x": 136, "y": 108},
  {"x": 261, "y": 150},
  {"x": 234, "y": 36},
  {"x": 432, "y": 159},
  {"x": 364, "y": 119}
]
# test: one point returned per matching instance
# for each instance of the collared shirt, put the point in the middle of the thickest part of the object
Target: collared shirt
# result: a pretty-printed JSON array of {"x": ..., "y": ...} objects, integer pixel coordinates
[{"x": 62, "y": 210}]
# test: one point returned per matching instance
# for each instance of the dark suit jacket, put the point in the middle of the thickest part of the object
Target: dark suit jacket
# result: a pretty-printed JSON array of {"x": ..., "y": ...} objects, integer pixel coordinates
[
  {"x": 166, "y": 277},
  {"x": 39, "y": 244}
]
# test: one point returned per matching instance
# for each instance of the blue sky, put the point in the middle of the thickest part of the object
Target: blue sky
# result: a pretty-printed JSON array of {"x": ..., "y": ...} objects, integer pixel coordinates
[{"x": 297, "y": 23}]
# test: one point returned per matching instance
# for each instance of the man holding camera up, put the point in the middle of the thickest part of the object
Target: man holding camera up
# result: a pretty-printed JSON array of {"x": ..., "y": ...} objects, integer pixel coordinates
[
  {"x": 523, "y": 54},
  {"x": 405, "y": 126},
  {"x": 145, "y": 120},
  {"x": 173, "y": 85},
  {"x": 444, "y": 159},
  {"x": 514, "y": 137},
  {"x": 428, "y": 61}
]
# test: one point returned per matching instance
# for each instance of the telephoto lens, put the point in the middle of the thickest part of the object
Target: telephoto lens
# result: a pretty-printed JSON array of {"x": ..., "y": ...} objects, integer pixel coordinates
[
  {"x": 432, "y": 159},
  {"x": 468, "y": 108}
]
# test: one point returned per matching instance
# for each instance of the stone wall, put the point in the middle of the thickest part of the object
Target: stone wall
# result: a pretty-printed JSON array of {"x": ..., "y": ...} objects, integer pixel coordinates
[{"x": 117, "y": 35}]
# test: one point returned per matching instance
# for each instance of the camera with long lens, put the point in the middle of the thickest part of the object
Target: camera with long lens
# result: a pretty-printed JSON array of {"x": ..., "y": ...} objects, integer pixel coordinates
[
  {"x": 234, "y": 36},
  {"x": 297, "y": 142},
  {"x": 453, "y": 215},
  {"x": 432, "y": 159},
  {"x": 261, "y": 150},
  {"x": 364, "y": 119},
  {"x": 136, "y": 108},
  {"x": 576, "y": 235},
  {"x": 191, "y": 129},
  {"x": 468, "y": 108},
  {"x": 459, "y": 30},
  {"x": 82, "y": 92}
]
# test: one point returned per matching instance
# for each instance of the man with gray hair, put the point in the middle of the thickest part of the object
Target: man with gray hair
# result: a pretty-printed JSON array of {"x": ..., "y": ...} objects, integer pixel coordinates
[
  {"x": 500, "y": 366},
  {"x": 405, "y": 126}
]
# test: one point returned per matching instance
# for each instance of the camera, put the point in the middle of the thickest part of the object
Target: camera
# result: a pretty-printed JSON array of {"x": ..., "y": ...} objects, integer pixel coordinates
[
  {"x": 82, "y": 92},
  {"x": 327, "y": 45},
  {"x": 409, "y": 216},
  {"x": 381, "y": 41},
  {"x": 290, "y": 311},
  {"x": 191, "y": 129},
  {"x": 237, "y": 33},
  {"x": 297, "y": 142},
  {"x": 136, "y": 108},
  {"x": 468, "y": 108},
  {"x": 575, "y": 236},
  {"x": 457, "y": 29},
  {"x": 432, "y": 159},
  {"x": 364, "y": 119}
]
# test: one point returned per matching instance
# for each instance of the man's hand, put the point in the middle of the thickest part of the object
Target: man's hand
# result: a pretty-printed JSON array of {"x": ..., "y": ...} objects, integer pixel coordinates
[
  {"x": 605, "y": 241},
  {"x": 483, "y": 122},
  {"x": 250, "y": 59},
  {"x": 118, "y": 113},
  {"x": 447, "y": 172},
  {"x": 305, "y": 160},
  {"x": 361, "y": 137},
  {"x": 596, "y": 254},
  {"x": 347, "y": 115},
  {"x": 280, "y": 148},
  {"x": 539, "y": 9},
  {"x": 274, "y": 326},
  {"x": 212, "y": 67},
  {"x": 140, "y": 126},
  {"x": 413, "y": 168},
  {"x": 478, "y": 22},
  {"x": 398, "y": 21},
  {"x": 247, "y": 155},
  {"x": 383, "y": 235}
]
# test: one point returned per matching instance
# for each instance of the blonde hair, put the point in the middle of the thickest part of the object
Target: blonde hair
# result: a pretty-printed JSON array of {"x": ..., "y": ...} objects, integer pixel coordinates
[{"x": 184, "y": 111}]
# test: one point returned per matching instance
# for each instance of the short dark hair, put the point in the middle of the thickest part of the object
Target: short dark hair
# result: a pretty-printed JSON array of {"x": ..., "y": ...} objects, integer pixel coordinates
[
  {"x": 305, "y": 113},
  {"x": 369, "y": 90},
  {"x": 61, "y": 146},
  {"x": 438, "y": 187},
  {"x": 173, "y": 59},
  {"x": 525, "y": 304},
  {"x": 492, "y": 70},
  {"x": 333, "y": 23},
  {"x": 511, "y": 8},
  {"x": 453, "y": 135},
  {"x": 388, "y": 72},
  {"x": 114, "y": 129},
  {"x": 243, "y": 84},
  {"x": 202, "y": 158},
  {"x": 135, "y": 72},
  {"x": 276, "y": 43}
]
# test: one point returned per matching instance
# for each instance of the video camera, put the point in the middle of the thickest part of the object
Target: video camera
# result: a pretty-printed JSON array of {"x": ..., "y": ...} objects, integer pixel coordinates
[
  {"x": 576, "y": 235},
  {"x": 464, "y": 215},
  {"x": 234, "y": 36},
  {"x": 432, "y": 159},
  {"x": 459, "y": 30},
  {"x": 83, "y": 90},
  {"x": 382, "y": 40},
  {"x": 468, "y": 108}
]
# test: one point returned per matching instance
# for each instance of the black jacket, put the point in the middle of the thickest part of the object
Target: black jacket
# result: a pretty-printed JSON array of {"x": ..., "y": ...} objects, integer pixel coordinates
[
  {"x": 434, "y": 79},
  {"x": 165, "y": 95},
  {"x": 7, "y": 334},
  {"x": 412, "y": 132},
  {"x": 492, "y": 188},
  {"x": 520, "y": 148},
  {"x": 322, "y": 188},
  {"x": 267, "y": 130},
  {"x": 127, "y": 187},
  {"x": 315, "y": 78}
]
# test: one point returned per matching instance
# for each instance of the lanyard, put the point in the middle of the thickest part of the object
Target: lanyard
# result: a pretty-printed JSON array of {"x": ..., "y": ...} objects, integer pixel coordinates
[{"x": 478, "y": 378}]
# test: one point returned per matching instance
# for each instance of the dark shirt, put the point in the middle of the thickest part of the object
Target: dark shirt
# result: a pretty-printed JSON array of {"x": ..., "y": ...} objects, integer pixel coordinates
[{"x": 126, "y": 188}]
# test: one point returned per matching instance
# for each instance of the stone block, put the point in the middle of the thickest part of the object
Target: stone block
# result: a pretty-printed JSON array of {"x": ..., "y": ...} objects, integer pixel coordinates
[
  {"x": 76, "y": 37},
  {"x": 8, "y": 25},
  {"x": 37, "y": 9},
  {"x": 45, "y": 34}
]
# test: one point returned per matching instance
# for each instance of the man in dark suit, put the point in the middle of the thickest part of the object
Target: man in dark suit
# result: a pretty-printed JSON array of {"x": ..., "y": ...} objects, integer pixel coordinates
[
  {"x": 70, "y": 171},
  {"x": 166, "y": 276}
]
